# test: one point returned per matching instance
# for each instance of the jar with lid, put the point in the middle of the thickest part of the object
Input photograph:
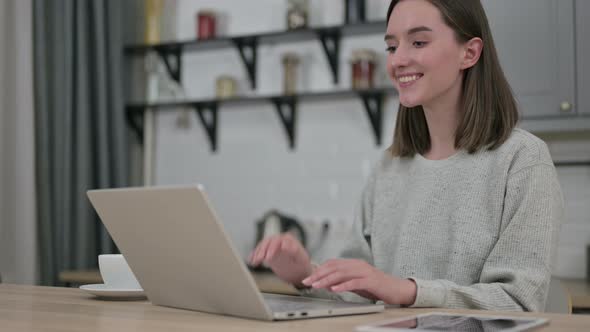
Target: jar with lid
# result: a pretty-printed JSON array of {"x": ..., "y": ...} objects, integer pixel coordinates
[
  {"x": 290, "y": 64},
  {"x": 225, "y": 87},
  {"x": 363, "y": 68},
  {"x": 206, "y": 22},
  {"x": 297, "y": 14}
]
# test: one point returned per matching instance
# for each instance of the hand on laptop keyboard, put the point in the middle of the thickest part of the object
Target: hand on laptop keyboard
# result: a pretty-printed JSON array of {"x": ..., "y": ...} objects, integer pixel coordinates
[{"x": 285, "y": 256}]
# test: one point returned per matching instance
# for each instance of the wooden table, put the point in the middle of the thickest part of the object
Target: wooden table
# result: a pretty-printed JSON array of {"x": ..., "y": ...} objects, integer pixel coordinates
[
  {"x": 35, "y": 308},
  {"x": 266, "y": 282},
  {"x": 579, "y": 289}
]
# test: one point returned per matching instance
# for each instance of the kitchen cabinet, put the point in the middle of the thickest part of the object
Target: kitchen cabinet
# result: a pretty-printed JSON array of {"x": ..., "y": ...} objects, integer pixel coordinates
[
  {"x": 582, "y": 8},
  {"x": 536, "y": 45}
]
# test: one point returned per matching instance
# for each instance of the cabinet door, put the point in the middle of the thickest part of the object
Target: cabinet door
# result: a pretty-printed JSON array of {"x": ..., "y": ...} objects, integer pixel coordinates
[
  {"x": 535, "y": 43},
  {"x": 583, "y": 55}
]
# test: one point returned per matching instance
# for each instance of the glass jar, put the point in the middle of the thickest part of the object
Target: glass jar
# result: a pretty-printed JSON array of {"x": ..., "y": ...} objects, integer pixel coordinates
[
  {"x": 290, "y": 64},
  {"x": 225, "y": 87},
  {"x": 297, "y": 14},
  {"x": 206, "y": 24},
  {"x": 363, "y": 68}
]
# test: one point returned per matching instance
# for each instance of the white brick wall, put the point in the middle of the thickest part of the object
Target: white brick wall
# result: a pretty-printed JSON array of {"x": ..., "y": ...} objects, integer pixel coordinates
[{"x": 254, "y": 170}]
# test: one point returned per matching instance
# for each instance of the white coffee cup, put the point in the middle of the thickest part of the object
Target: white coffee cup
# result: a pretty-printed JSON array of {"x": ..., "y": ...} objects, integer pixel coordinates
[{"x": 116, "y": 273}]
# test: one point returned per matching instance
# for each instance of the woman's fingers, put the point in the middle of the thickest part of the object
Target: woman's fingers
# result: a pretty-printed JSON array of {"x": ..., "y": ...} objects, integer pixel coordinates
[
  {"x": 321, "y": 272},
  {"x": 345, "y": 267},
  {"x": 358, "y": 284},
  {"x": 291, "y": 246},
  {"x": 260, "y": 252},
  {"x": 331, "y": 279},
  {"x": 274, "y": 245},
  {"x": 335, "y": 272}
]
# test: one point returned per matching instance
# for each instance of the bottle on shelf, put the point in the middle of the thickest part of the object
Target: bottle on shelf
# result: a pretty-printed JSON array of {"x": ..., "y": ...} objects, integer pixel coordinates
[
  {"x": 290, "y": 64},
  {"x": 153, "y": 13}
]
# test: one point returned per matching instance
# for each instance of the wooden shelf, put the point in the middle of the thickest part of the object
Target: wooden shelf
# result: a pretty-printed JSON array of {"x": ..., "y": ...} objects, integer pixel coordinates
[
  {"x": 247, "y": 46},
  {"x": 285, "y": 105},
  {"x": 263, "y": 38}
]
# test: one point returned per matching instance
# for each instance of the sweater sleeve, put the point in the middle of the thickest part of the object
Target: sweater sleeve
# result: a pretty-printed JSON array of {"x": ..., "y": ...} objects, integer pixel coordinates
[{"x": 517, "y": 272}]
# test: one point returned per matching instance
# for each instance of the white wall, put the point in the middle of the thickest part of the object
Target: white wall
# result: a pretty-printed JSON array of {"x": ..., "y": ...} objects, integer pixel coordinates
[
  {"x": 254, "y": 171},
  {"x": 18, "y": 255}
]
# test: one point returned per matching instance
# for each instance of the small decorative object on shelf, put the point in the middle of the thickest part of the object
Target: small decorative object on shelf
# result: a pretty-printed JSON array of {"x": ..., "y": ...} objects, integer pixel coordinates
[
  {"x": 363, "y": 68},
  {"x": 225, "y": 87},
  {"x": 354, "y": 11},
  {"x": 153, "y": 13},
  {"x": 290, "y": 64},
  {"x": 297, "y": 14},
  {"x": 206, "y": 23}
]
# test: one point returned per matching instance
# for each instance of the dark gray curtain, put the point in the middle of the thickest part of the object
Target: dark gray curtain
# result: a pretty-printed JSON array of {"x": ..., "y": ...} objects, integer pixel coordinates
[{"x": 81, "y": 136}]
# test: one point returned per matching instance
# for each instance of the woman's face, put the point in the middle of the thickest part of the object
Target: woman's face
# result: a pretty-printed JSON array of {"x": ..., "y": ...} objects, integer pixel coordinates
[{"x": 424, "y": 58}]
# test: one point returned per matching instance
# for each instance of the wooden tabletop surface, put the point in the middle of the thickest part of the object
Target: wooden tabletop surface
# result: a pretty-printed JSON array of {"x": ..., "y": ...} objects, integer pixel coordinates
[
  {"x": 35, "y": 308},
  {"x": 579, "y": 289},
  {"x": 266, "y": 282}
]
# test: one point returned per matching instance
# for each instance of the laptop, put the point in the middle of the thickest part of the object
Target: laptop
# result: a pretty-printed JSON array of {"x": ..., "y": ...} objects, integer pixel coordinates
[{"x": 183, "y": 257}]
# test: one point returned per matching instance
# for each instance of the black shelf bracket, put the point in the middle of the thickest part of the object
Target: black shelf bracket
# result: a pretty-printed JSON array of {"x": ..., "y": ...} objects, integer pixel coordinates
[
  {"x": 207, "y": 112},
  {"x": 248, "y": 46},
  {"x": 330, "y": 39},
  {"x": 135, "y": 121},
  {"x": 286, "y": 108},
  {"x": 373, "y": 102},
  {"x": 173, "y": 61}
]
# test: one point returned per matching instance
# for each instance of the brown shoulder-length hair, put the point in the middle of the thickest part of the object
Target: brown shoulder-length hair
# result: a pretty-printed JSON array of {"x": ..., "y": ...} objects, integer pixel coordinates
[{"x": 489, "y": 110}]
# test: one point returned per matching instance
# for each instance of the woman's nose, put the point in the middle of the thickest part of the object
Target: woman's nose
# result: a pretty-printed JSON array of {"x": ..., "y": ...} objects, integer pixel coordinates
[{"x": 400, "y": 58}]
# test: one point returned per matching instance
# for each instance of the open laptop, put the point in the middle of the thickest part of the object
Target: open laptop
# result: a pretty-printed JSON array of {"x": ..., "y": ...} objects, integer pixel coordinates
[{"x": 183, "y": 258}]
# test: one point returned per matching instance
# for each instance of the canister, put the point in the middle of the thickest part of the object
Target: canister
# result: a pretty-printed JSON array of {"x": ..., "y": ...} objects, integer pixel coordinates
[
  {"x": 206, "y": 22},
  {"x": 225, "y": 87},
  {"x": 363, "y": 68}
]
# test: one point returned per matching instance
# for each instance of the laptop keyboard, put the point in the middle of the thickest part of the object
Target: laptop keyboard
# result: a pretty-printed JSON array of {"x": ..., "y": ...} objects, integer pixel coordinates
[{"x": 297, "y": 303}]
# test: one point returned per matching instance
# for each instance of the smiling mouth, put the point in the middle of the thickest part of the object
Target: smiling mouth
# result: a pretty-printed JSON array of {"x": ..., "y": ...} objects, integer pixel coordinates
[{"x": 409, "y": 78}]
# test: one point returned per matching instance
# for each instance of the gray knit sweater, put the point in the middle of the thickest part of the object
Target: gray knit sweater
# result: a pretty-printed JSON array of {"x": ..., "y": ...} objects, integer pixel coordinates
[{"x": 473, "y": 231}]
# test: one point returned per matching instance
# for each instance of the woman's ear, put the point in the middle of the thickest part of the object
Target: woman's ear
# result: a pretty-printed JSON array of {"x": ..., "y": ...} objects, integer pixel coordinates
[{"x": 472, "y": 52}]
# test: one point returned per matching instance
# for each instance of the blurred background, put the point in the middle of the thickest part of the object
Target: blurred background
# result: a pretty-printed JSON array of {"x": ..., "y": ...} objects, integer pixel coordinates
[{"x": 279, "y": 108}]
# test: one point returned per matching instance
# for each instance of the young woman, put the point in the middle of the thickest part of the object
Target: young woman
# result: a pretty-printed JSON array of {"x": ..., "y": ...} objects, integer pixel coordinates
[{"x": 463, "y": 210}]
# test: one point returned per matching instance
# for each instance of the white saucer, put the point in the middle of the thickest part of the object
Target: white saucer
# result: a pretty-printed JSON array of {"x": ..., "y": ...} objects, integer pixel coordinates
[{"x": 102, "y": 291}]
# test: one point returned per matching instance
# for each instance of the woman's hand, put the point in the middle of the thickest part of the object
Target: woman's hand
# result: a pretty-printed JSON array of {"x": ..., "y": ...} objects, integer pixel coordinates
[
  {"x": 285, "y": 256},
  {"x": 353, "y": 275}
]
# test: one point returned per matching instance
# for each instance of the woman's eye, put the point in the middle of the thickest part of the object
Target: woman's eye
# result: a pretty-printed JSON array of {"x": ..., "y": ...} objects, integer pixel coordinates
[
  {"x": 419, "y": 44},
  {"x": 391, "y": 49}
]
